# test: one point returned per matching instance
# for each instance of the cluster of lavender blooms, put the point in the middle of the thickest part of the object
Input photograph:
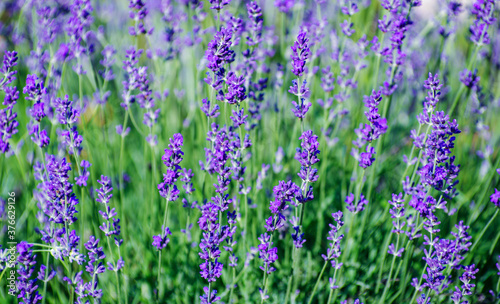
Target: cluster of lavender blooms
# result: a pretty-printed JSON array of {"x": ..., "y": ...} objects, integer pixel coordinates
[
  {"x": 168, "y": 188},
  {"x": 307, "y": 156},
  {"x": 111, "y": 226},
  {"x": 137, "y": 80},
  {"x": 26, "y": 283},
  {"x": 333, "y": 252},
  {"x": 395, "y": 25},
  {"x": 484, "y": 13},
  {"x": 210, "y": 221},
  {"x": 8, "y": 122},
  {"x": 436, "y": 171},
  {"x": 369, "y": 132},
  {"x": 300, "y": 55},
  {"x": 284, "y": 194}
]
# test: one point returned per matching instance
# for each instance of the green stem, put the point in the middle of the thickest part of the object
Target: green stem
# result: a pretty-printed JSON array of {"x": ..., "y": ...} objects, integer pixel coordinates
[
  {"x": 484, "y": 230},
  {"x": 165, "y": 217},
  {"x": 317, "y": 282},
  {"x": 232, "y": 286},
  {"x": 45, "y": 278},
  {"x": 388, "y": 283}
]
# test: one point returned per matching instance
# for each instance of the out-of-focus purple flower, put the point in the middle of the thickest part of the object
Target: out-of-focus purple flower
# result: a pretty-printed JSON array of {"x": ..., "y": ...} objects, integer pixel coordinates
[
  {"x": 278, "y": 158},
  {"x": 121, "y": 132},
  {"x": 211, "y": 112},
  {"x": 76, "y": 29},
  {"x": 470, "y": 79},
  {"x": 71, "y": 140},
  {"x": 261, "y": 176},
  {"x": 284, "y": 6},
  {"x": 45, "y": 275},
  {"x": 138, "y": 13},
  {"x": 347, "y": 29},
  {"x": 107, "y": 62},
  {"x": 484, "y": 12},
  {"x": 218, "y": 4},
  {"x": 495, "y": 198},
  {"x": 395, "y": 252},
  {"x": 82, "y": 179},
  {"x": 353, "y": 206},
  {"x": 186, "y": 176}
]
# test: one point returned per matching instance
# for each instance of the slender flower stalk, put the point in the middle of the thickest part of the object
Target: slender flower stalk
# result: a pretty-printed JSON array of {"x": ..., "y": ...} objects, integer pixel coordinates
[{"x": 168, "y": 190}]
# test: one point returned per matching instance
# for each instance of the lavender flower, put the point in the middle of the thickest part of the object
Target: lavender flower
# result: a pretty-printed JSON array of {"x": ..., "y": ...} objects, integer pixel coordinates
[
  {"x": 26, "y": 286},
  {"x": 77, "y": 25},
  {"x": 218, "y": 54},
  {"x": 369, "y": 132},
  {"x": 8, "y": 122},
  {"x": 483, "y": 10},
  {"x": 167, "y": 188},
  {"x": 107, "y": 62},
  {"x": 211, "y": 112},
  {"x": 94, "y": 267},
  {"x": 171, "y": 159},
  {"x": 211, "y": 268},
  {"x": 284, "y": 6},
  {"x": 161, "y": 241},
  {"x": 218, "y": 4},
  {"x": 353, "y": 206},
  {"x": 333, "y": 252},
  {"x": 58, "y": 203},
  {"x": 36, "y": 92},
  {"x": 138, "y": 13},
  {"x": 300, "y": 54},
  {"x": 495, "y": 198},
  {"x": 82, "y": 179}
]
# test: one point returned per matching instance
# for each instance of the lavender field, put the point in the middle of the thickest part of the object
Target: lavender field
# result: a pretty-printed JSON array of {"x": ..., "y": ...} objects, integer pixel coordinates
[{"x": 284, "y": 151}]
